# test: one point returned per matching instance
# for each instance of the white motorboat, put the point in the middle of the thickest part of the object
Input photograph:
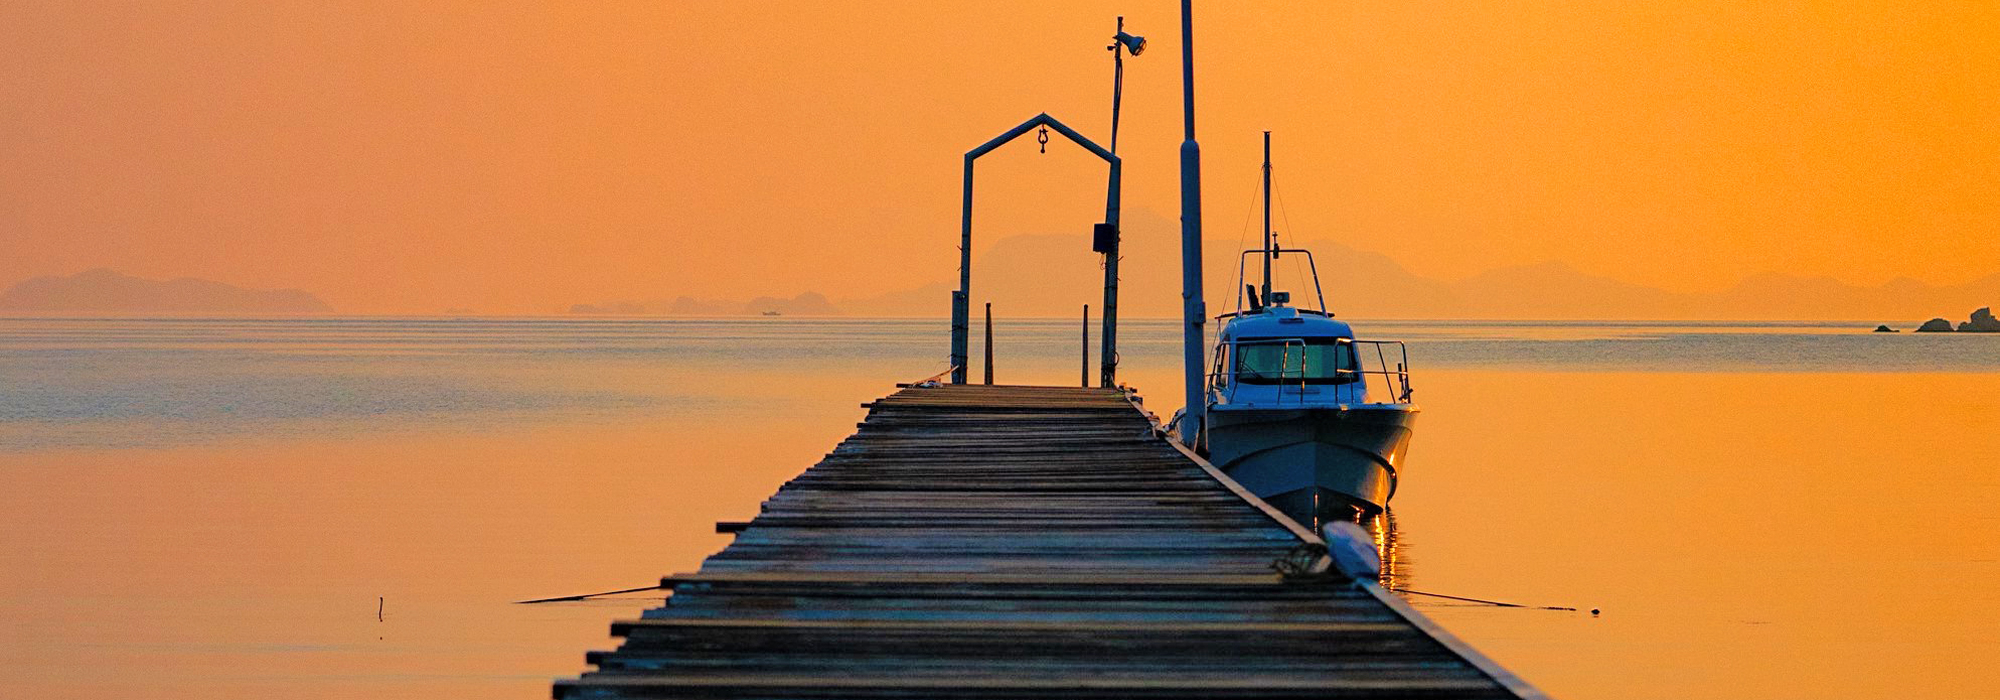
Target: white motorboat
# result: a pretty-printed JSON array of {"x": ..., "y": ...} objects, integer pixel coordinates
[{"x": 1300, "y": 411}]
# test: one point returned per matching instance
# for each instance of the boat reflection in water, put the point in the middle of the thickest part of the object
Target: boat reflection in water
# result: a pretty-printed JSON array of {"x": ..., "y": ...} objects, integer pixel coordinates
[{"x": 1389, "y": 546}]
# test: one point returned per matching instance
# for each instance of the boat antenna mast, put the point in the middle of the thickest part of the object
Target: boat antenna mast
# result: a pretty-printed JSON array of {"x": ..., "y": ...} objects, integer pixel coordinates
[{"x": 1270, "y": 237}]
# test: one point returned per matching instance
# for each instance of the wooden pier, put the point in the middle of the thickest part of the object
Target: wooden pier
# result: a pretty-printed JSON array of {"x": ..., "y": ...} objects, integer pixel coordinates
[{"x": 1023, "y": 542}]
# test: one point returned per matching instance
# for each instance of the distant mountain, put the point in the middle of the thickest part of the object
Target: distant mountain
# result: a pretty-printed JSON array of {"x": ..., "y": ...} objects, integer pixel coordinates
[
  {"x": 1025, "y": 276},
  {"x": 1784, "y": 296},
  {"x": 1367, "y": 284},
  {"x": 805, "y": 304},
  {"x": 932, "y": 299},
  {"x": 1052, "y": 276},
  {"x": 106, "y": 291}
]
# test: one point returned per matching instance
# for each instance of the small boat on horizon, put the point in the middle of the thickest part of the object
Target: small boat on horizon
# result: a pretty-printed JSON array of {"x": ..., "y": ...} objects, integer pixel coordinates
[{"x": 1301, "y": 412}]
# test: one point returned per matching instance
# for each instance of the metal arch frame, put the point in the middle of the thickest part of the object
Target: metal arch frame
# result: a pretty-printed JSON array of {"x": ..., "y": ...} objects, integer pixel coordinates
[{"x": 961, "y": 312}]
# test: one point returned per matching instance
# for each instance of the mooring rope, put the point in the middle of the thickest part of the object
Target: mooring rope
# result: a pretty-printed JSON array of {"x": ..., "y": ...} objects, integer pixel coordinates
[
  {"x": 1405, "y": 591},
  {"x": 587, "y": 596},
  {"x": 1494, "y": 603}
]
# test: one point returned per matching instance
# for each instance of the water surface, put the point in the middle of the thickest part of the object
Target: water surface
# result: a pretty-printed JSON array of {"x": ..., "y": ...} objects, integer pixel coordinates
[{"x": 217, "y": 507}]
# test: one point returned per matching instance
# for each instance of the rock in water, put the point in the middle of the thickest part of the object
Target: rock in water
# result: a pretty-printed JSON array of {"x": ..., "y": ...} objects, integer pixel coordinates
[
  {"x": 1936, "y": 325},
  {"x": 1884, "y": 329},
  {"x": 1982, "y": 322}
]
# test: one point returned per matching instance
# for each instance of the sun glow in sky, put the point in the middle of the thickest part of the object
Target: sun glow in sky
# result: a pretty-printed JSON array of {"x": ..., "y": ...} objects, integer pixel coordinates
[{"x": 410, "y": 157}]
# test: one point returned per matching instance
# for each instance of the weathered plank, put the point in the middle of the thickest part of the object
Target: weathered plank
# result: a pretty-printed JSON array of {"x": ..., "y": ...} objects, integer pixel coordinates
[{"x": 1022, "y": 542}]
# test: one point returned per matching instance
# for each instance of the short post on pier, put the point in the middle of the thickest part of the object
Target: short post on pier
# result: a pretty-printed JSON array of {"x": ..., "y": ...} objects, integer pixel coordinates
[
  {"x": 1086, "y": 346},
  {"x": 989, "y": 342}
]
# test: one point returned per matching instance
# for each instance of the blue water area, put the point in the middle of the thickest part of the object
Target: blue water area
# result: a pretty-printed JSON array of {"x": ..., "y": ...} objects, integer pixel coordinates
[{"x": 148, "y": 382}]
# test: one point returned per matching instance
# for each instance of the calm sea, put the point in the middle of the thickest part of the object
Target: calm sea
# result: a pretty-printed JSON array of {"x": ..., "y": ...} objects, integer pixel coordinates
[{"x": 341, "y": 507}]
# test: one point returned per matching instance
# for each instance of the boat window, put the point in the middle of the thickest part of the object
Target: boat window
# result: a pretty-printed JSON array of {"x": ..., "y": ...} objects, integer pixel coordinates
[{"x": 1292, "y": 361}]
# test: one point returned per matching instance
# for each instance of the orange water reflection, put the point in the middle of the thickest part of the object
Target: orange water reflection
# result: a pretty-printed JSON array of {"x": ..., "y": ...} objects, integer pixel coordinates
[
  {"x": 1392, "y": 547},
  {"x": 253, "y": 569},
  {"x": 1747, "y": 535}
]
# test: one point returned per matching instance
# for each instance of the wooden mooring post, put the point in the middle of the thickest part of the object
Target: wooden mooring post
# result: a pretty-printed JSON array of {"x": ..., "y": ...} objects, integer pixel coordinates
[
  {"x": 1011, "y": 542},
  {"x": 1086, "y": 345},
  {"x": 989, "y": 343}
]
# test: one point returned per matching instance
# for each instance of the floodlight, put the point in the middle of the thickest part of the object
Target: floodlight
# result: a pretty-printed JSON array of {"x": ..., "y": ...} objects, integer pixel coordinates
[{"x": 1133, "y": 44}]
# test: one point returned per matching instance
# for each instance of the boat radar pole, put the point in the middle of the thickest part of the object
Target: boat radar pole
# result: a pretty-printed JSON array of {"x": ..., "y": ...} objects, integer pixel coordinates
[
  {"x": 1194, "y": 343},
  {"x": 1270, "y": 237}
]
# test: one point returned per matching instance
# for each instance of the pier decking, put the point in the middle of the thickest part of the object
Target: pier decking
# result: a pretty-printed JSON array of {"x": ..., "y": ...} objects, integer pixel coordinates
[{"x": 1023, "y": 542}]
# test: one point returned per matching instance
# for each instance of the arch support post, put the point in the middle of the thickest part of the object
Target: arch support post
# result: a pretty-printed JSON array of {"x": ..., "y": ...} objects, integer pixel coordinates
[{"x": 961, "y": 312}]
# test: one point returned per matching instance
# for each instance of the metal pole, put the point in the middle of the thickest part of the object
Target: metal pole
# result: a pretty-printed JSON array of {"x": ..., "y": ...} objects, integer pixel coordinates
[
  {"x": 1193, "y": 312},
  {"x": 961, "y": 315},
  {"x": 989, "y": 342},
  {"x": 1108, "y": 354},
  {"x": 1086, "y": 346},
  {"x": 1268, "y": 238}
]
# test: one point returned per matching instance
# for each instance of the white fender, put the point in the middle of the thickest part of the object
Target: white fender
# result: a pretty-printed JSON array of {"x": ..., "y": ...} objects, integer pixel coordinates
[{"x": 1352, "y": 550}]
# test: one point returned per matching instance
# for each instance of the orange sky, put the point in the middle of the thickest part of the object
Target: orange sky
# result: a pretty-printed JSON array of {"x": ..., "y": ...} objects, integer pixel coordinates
[{"x": 408, "y": 157}]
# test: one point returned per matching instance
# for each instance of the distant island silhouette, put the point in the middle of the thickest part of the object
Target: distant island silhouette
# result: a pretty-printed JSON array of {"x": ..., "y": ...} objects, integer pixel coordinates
[
  {"x": 107, "y": 291},
  {"x": 806, "y": 304},
  {"x": 1982, "y": 321}
]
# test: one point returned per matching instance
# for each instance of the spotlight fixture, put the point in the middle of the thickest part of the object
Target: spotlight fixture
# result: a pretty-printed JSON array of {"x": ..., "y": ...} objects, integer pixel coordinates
[{"x": 1133, "y": 44}]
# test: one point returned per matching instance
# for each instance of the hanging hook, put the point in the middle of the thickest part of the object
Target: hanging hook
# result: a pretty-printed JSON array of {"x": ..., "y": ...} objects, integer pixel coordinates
[{"x": 1042, "y": 137}]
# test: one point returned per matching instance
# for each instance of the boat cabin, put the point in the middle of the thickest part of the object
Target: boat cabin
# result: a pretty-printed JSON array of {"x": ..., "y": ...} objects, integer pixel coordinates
[{"x": 1278, "y": 354}]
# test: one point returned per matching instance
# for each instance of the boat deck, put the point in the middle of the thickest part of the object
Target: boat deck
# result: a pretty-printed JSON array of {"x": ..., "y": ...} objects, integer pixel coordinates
[{"x": 1023, "y": 542}]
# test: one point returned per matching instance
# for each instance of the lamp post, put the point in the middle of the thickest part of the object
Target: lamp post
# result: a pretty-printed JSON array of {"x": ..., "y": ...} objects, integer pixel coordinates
[
  {"x": 1104, "y": 237},
  {"x": 1121, "y": 44}
]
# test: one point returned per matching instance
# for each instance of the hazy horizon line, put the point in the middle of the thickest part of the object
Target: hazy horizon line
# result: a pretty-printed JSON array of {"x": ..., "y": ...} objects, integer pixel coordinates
[{"x": 1095, "y": 321}]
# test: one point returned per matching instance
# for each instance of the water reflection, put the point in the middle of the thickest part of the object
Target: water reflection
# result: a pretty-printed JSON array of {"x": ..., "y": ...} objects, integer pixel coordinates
[{"x": 1390, "y": 546}]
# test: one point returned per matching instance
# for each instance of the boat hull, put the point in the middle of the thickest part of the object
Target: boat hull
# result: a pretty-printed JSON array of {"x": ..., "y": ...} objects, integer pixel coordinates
[{"x": 1315, "y": 464}]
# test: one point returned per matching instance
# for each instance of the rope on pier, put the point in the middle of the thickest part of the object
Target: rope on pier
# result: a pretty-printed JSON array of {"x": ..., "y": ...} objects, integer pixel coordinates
[
  {"x": 1494, "y": 603},
  {"x": 587, "y": 596}
]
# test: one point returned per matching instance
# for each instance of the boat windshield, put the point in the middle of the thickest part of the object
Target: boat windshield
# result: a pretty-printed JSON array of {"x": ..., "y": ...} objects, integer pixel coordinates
[{"x": 1295, "y": 361}]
